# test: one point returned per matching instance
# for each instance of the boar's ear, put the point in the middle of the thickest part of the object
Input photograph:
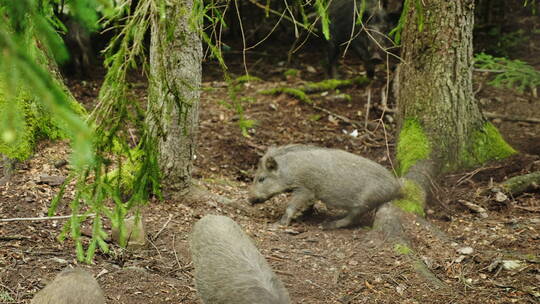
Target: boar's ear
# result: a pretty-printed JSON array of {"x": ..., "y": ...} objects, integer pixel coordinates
[{"x": 271, "y": 163}]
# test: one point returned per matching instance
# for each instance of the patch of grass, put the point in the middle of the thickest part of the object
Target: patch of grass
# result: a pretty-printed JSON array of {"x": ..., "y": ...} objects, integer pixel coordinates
[
  {"x": 5, "y": 297},
  {"x": 315, "y": 117},
  {"x": 402, "y": 249},
  {"x": 291, "y": 73}
]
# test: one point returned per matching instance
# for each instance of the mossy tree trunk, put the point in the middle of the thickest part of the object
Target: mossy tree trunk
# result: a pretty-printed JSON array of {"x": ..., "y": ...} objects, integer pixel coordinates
[
  {"x": 174, "y": 91},
  {"x": 28, "y": 118},
  {"x": 435, "y": 98},
  {"x": 441, "y": 128}
]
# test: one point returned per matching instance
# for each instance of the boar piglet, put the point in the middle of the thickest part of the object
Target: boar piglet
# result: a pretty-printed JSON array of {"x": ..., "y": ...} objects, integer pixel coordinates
[
  {"x": 229, "y": 268},
  {"x": 336, "y": 177},
  {"x": 71, "y": 286}
]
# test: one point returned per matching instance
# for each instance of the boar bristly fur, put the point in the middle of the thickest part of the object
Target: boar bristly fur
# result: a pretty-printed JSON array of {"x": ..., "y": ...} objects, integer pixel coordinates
[
  {"x": 228, "y": 266},
  {"x": 336, "y": 177}
]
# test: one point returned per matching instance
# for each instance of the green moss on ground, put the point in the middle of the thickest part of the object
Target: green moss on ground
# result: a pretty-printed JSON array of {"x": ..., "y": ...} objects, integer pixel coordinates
[
  {"x": 291, "y": 73},
  {"x": 247, "y": 78},
  {"x": 413, "y": 145},
  {"x": 413, "y": 198},
  {"x": 402, "y": 249},
  {"x": 332, "y": 84},
  {"x": 486, "y": 144},
  {"x": 296, "y": 93},
  {"x": 312, "y": 87}
]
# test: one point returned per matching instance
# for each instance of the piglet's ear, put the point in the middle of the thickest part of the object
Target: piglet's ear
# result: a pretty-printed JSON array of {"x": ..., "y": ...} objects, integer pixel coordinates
[{"x": 271, "y": 164}]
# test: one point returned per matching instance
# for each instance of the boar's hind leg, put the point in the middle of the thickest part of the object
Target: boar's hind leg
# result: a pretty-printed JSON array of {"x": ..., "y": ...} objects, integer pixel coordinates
[
  {"x": 301, "y": 200},
  {"x": 350, "y": 219}
]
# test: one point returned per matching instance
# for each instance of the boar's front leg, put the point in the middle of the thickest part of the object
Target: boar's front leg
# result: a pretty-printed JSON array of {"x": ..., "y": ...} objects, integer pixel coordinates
[{"x": 301, "y": 199}]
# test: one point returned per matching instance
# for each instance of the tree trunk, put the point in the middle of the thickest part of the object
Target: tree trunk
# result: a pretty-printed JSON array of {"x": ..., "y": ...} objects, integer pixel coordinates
[
  {"x": 174, "y": 91},
  {"x": 435, "y": 97},
  {"x": 441, "y": 127},
  {"x": 8, "y": 166}
]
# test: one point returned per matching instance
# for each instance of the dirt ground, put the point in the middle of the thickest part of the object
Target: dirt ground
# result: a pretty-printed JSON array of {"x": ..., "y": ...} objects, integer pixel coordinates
[{"x": 340, "y": 266}]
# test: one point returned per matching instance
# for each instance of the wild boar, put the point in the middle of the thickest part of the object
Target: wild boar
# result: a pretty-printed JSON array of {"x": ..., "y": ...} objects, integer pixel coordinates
[
  {"x": 228, "y": 266},
  {"x": 71, "y": 286},
  {"x": 336, "y": 177}
]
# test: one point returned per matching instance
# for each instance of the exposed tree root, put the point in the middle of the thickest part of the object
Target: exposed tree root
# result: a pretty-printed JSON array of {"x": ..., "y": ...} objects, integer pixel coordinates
[
  {"x": 393, "y": 222},
  {"x": 390, "y": 220}
]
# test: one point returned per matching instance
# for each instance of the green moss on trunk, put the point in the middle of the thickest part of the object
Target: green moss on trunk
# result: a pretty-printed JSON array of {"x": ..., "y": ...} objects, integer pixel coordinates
[
  {"x": 486, "y": 144},
  {"x": 413, "y": 198},
  {"x": 413, "y": 145}
]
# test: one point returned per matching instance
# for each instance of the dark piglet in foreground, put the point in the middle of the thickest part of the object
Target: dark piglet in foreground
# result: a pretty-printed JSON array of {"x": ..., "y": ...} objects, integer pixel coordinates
[
  {"x": 366, "y": 41},
  {"x": 229, "y": 268},
  {"x": 71, "y": 286},
  {"x": 336, "y": 177}
]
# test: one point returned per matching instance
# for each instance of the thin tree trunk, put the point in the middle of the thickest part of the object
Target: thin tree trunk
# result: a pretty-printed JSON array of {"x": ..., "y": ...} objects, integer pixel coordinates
[
  {"x": 8, "y": 166},
  {"x": 174, "y": 92}
]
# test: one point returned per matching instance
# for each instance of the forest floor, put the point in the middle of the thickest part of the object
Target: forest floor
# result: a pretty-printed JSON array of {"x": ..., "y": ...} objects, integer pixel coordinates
[{"x": 317, "y": 266}]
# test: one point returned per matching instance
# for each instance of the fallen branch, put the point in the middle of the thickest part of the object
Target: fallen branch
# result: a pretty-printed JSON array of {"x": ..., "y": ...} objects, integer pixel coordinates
[
  {"x": 530, "y": 209},
  {"x": 45, "y": 218},
  {"x": 523, "y": 183},
  {"x": 474, "y": 207},
  {"x": 302, "y": 96},
  {"x": 14, "y": 237},
  {"x": 355, "y": 123},
  {"x": 511, "y": 118},
  {"x": 163, "y": 228}
]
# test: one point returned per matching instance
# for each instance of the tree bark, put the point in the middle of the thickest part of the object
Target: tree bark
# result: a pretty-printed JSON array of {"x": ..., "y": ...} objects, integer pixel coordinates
[
  {"x": 436, "y": 77},
  {"x": 174, "y": 91},
  {"x": 441, "y": 127}
]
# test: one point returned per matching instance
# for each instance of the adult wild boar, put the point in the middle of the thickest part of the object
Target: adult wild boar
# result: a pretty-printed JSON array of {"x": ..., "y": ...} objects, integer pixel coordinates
[{"x": 336, "y": 177}]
